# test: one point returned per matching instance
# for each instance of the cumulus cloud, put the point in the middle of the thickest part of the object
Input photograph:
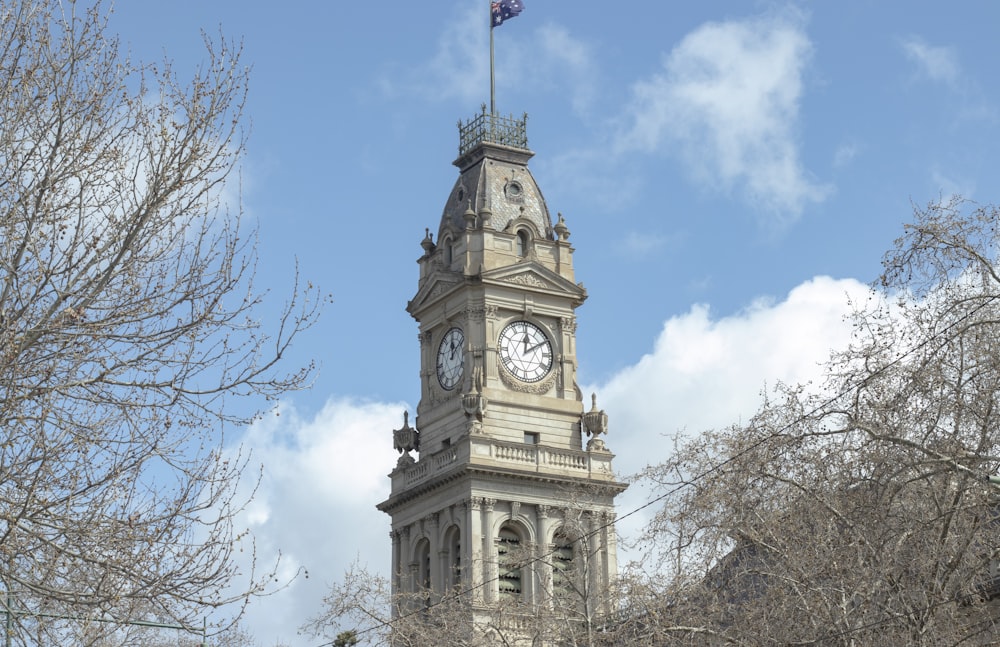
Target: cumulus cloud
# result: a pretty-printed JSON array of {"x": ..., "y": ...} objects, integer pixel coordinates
[
  {"x": 708, "y": 372},
  {"x": 727, "y": 101},
  {"x": 315, "y": 506}
]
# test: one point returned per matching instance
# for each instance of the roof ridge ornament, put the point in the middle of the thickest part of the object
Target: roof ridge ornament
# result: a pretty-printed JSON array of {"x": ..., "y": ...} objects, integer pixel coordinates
[
  {"x": 562, "y": 231},
  {"x": 595, "y": 422},
  {"x": 492, "y": 128}
]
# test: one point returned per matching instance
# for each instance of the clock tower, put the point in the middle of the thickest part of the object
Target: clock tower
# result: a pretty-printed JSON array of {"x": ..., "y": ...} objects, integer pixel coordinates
[{"x": 504, "y": 490}]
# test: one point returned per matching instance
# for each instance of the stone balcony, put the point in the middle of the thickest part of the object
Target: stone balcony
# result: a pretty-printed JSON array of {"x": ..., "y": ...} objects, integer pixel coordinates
[{"x": 485, "y": 452}]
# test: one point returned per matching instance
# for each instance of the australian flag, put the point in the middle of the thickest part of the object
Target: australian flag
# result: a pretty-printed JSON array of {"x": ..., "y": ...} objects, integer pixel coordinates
[{"x": 505, "y": 10}]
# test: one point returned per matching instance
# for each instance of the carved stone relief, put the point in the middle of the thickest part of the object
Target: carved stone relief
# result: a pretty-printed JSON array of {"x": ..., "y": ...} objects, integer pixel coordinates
[
  {"x": 527, "y": 279},
  {"x": 538, "y": 388}
]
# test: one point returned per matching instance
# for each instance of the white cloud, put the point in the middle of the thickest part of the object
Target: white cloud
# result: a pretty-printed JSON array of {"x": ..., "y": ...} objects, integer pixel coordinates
[
  {"x": 316, "y": 504},
  {"x": 940, "y": 64},
  {"x": 950, "y": 187},
  {"x": 936, "y": 63},
  {"x": 324, "y": 474},
  {"x": 459, "y": 68},
  {"x": 707, "y": 373},
  {"x": 566, "y": 63},
  {"x": 728, "y": 100},
  {"x": 544, "y": 60}
]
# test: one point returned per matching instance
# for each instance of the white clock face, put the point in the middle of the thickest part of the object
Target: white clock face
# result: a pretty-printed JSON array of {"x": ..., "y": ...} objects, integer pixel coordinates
[
  {"x": 525, "y": 351},
  {"x": 450, "y": 359}
]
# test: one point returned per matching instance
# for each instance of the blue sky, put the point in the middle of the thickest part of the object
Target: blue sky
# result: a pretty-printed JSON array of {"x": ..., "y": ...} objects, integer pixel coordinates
[{"x": 731, "y": 173}]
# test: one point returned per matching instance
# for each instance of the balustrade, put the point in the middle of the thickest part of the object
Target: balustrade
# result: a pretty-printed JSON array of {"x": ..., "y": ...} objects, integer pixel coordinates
[{"x": 499, "y": 452}]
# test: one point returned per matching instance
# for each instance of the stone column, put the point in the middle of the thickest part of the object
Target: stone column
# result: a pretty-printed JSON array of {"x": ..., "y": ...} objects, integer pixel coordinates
[
  {"x": 490, "y": 366},
  {"x": 490, "y": 571},
  {"x": 595, "y": 559},
  {"x": 475, "y": 543},
  {"x": 458, "y": 517},
  {"x": 609, "y": 555},
  {"x": 405, "y": 585},
  {"x": 543, "y": 553},
  {"x": 395, "y": 574},
  {"x": 427, "y": 362},
  {"x": 431, "y": 530}
]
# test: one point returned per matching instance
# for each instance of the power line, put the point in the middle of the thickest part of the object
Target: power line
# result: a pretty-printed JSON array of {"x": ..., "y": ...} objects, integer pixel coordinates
[{"x": 846, "y": 390}]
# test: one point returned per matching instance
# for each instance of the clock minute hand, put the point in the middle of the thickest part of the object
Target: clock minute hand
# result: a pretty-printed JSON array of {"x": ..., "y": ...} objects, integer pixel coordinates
[{"x": 535, "y": 347}]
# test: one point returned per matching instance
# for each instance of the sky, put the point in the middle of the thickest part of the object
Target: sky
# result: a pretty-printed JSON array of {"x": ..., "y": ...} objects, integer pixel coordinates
[{"x": 731, "y": 172}]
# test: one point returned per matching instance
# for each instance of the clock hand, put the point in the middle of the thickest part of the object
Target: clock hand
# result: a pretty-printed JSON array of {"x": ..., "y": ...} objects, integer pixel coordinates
[{"x": 535, "y": 347}]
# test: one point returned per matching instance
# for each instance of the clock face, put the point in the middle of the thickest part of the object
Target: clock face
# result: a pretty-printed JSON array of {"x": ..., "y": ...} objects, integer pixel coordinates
[
  {"x": 525, "y": 351},
  {"x": 450, "y": 359}
]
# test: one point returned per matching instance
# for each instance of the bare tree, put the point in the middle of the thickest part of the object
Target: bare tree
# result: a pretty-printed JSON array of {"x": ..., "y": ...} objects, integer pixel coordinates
[
  {"x": 568, "y": 605},
  {"x": 857, "y": 512},
  {"x": 129, "y": 331}
]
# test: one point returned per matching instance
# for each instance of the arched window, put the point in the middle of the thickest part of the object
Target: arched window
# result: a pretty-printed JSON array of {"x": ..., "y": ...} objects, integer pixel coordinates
[
  {"x": 522, "y": 243},
  {"x": 449, "y": 252},
  {"x": 423, "y": 559},
  {"x": 453, "y": 549},
  {"x": 562, "y": 565},
  {"x": 510, "y": 564}
]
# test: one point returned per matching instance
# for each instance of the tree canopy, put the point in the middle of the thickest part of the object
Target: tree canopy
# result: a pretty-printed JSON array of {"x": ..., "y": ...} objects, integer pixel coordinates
[
  {"x": 858, "y": 510},
  {"x": 130, "y": 330}
]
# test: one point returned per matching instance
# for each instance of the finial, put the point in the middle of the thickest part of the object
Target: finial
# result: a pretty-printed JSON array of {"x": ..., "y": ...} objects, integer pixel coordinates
[
  {"x": 562, "y": 231},
  {"x": 406, "y": 438},
  {"x": 596, "y": 423},
  {"x": 469, "y": 216},
  {"x": 428, "y": 242}
]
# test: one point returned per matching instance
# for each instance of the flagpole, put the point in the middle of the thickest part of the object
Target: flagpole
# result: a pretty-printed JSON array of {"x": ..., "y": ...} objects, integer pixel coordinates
[{"x": 493, "y": 98}]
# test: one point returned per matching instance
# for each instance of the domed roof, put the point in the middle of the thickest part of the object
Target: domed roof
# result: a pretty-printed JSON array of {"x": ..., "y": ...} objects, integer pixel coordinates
[{"x": 494, "y": 175}]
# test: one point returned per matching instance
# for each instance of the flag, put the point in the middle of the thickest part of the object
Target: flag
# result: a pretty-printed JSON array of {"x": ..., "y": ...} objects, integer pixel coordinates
[{"x": 505, "y": 10}]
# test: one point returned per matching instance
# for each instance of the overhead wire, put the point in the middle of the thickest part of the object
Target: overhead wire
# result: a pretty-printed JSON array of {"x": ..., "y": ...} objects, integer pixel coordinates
[{"x": 850, "y": 388}]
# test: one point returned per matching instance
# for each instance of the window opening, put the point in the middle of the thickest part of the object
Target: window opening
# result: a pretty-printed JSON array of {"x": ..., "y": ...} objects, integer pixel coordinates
[
  {"x": 449, "y": 252},
  {"x": 562, "y": 566},
  {"x": 510, "y": 571},
  {"x": 522, "y": 243},
  {"x": 455, "y": 557},
  {"x": 424, "y": 564}
]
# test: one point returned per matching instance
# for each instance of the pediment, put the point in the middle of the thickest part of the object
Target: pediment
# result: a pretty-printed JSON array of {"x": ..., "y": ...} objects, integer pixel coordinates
[
  {"x": 535, "y": 277},
  {"x": 437, "y": 286}
]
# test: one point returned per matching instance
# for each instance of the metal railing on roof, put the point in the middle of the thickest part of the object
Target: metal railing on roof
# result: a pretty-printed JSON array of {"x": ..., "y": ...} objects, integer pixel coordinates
[{"x": 494, "y": 129}]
